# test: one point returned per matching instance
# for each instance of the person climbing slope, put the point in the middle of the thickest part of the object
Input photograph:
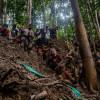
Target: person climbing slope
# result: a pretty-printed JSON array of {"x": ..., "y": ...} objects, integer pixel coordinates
[
  {"x": 41, "y": 44},
  {"x": 53, "y": 32},
  {"x": 14, "y": 31},
  {"x": 54, "y": 60},
  {"x": 1, "y": 29},
  {"x": 5, "y": 31},
  {"x": 65, "y": 76}
]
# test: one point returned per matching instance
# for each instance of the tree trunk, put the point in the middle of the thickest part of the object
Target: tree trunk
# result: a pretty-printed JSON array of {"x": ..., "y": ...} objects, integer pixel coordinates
[
  {"x": 66, "y": 24},
  {"x": 13, "y": 18},
  {"x": 55, "y": 9},
  {"x": 85, "y": 51},
  {"x": 44, "y": 15},
  {"x": 91, "y": 32},
  {"x": 71, "y": 25},
  {"x": 98, "y": 14},
  {"x": 29, "y": 12},
  {"x": 41, "y": 96},
  {"x": 1, "y": 11},
  {"x": 95, "y": 26},
  {"x": 51, "y": 15},
  {"x": 5, "y": 17},
  {"x": 33, "y": 15},
  {"x": 72, "y": 28}
]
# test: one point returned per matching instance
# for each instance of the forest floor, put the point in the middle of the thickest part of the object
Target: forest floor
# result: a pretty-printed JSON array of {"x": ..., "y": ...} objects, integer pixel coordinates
[{"x": 18, "y": 83}]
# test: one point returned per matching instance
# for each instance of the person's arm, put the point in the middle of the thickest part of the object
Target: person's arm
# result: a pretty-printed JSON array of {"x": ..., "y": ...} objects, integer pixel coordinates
[
  {"x": 69, "y": 76},
  {"x": 64, "y": 80},
  {"x": 7, "y": 33},
  {"x": 60, "y": 59}
]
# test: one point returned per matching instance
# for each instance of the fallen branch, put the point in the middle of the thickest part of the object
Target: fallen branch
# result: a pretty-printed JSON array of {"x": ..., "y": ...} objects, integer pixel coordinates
[
  {"x": 11, "y": 84},
  {"x": 41, "y": 95},
  {"x": 6, "y": 75},
  {"x": 43, "y": 79},
  {"x": 51, "y": 83}
]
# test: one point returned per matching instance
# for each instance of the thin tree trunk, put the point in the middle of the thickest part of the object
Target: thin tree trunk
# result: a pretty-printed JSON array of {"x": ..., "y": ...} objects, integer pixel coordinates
[
  {"x": 1, "y": 11},
  {"x": 91, "y": 32},
  {"x": 65, "y": 24},
  {"x": 55, "y": 9},
  {"x": 98, "y": 14},
  {"x": 96, "y": 28},
  {"x": 51, "y": 15},
  {"x": 56, "y": 17},
  {"x": 71, "y": 25},
  {"x": 72, "y": 28},
  {"x": 33, "y": 15},
  {"x": 85, "y": 51},
  {"x": 13, "y": 18},
  {"x": 29, "y": 12},
  {"x": 5, "y": 17},
  {"x": 44, "y": 15}
]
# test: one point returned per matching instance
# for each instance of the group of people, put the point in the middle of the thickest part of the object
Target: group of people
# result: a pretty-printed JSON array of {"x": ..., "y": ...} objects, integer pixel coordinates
[
  {"x": 68, "y": 70},
  {"x": 46, "y": 49}
]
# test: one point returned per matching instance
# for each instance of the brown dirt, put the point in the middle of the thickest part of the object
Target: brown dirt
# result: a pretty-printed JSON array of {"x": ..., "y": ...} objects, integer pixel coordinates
[{"x": 30, "y": 84}]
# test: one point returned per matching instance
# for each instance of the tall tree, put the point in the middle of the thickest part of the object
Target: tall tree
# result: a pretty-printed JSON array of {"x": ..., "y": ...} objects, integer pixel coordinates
[
  {"x": 65, "y": 12},
  {"x": 29, "y": 12},
  {"x": 96, "y": 17},
  {"x": 90, "y": 28},
  {"x": 44, "y": 16},
  {"x": 98, "y": 14},
  {"x": 1, "y": 11},
  {"x": 33, "y": 13},
  {"x": 5, "y": 16},
  {"x": 94, "y": 23},
  {"x": 55, "y": 14},
  {"x": 52, "y": 13},
  {"x": 85, "y": 51}
]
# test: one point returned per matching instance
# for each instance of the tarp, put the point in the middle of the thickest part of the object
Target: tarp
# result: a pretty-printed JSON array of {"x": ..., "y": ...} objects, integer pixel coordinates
[{"x": 30, "y": 69}]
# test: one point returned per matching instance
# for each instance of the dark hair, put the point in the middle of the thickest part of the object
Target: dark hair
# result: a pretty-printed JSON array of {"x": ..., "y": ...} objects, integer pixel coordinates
[
  {"x": 6, "y": 25},
  {"x": 46, "y": 27},
  {"x": 14, "y": 25},
  {"x": 41, "y": 30},
  {"x": 30, "y": 24},
  {"x": 76, "y": 44},
  {"x": 22, "y": 31}
]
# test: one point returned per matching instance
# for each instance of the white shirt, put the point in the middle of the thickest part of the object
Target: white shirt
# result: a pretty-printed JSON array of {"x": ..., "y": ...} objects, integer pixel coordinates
[{"x": 28, "y": 32}]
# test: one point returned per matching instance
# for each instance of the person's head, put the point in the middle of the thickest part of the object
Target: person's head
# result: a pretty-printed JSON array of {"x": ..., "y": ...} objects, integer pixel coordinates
[
  {"x": 21, "y": 28},
  {"x": 68, "y": 59},
  {"x": 76, "y": 45},
  {"x": 0, "y": 26},
  {"x": 37, "y": 30},
  {"x": 51, "y": 45},
  {"x": 56, "y": 27},
  {"x": 46, "y": 27},
  {"x": 22, "y": 32},
  {"x": 97, "y": 54},
  {"x": 14, "y": 26},
  {"x": 5, "y": 26},
  {"x": 43, "y": 34},
  {"x": 53, "y": 52},
  {"x": 41, "y": 30},
  {"x": 30, "y": 26}
]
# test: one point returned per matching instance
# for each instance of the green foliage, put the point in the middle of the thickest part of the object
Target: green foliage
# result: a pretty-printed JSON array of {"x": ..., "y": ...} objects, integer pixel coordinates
[{"x": 17, "y": 13}]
